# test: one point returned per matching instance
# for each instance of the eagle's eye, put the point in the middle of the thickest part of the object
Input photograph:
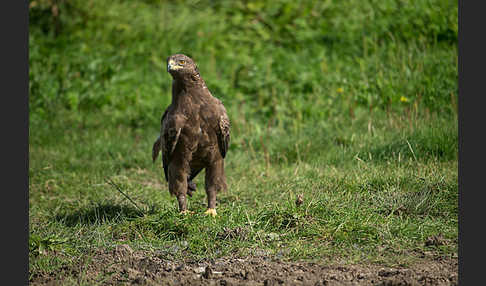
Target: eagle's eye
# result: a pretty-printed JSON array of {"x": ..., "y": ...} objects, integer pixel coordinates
[{"x": 182, "y": 62}]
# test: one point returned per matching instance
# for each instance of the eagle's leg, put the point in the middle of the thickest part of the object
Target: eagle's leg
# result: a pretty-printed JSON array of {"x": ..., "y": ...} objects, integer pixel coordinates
[
  {"x": 178, "y": 184},
  {"x": 181, "y": 199},
  {"x": 215, "y": 181},
  {"x": 191, "y": 187}
]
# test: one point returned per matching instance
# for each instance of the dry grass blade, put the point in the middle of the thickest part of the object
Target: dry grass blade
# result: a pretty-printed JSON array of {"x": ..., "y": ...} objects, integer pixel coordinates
[{"x": 109, "y": 181}]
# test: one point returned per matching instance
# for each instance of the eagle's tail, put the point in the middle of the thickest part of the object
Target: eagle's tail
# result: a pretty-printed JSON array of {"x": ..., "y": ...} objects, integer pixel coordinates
[{"x": 156, "y": 149}]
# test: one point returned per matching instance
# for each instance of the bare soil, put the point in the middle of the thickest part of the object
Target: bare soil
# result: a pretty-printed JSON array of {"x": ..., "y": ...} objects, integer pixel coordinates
[{"x": 123, "y": 266}]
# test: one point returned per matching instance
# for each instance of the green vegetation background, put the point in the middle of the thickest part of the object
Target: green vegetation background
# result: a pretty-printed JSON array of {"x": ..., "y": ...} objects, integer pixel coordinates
[
  {"x": 267, "y": 60},
  {"x": 351, "y": 103}
]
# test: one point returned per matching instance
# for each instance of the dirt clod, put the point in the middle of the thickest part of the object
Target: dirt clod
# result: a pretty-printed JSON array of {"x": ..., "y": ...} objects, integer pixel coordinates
[
  {"x": 208, "y": 272},
  {"x": 435, "y": 241},
  {"x": 387, "y": 272},
  {"x": 199, "y": 270}
]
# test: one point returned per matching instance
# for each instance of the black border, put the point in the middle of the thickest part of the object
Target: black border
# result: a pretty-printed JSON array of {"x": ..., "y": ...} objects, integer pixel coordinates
[
  {"x": 14, "y": 74},
  {"x": 471, "y": 48},
  {"x": 15, "y": 149}
]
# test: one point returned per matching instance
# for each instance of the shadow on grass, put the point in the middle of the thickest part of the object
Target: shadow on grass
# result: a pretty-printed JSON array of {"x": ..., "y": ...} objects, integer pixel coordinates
[{"x": 102, "y": 213}]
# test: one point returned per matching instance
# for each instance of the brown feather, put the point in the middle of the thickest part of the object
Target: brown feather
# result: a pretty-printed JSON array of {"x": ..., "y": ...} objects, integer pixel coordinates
[
  {"x": 195, "y": 134},
  {"x": 156, "y": 149}
]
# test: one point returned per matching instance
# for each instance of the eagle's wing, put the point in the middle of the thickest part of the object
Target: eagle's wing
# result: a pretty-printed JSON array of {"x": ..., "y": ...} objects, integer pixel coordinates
[
  {"x": 171, "y": 130},
  {"x": 158, "y": 144},
  {"x": 223, "y": 133},
  {"x": 156, "y": 149}
]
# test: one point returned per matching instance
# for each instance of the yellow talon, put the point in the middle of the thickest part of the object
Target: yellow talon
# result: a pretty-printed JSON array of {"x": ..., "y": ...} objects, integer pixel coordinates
[
  {"x": 186, "y": 212},
  {"x": 211, "y": 212}
]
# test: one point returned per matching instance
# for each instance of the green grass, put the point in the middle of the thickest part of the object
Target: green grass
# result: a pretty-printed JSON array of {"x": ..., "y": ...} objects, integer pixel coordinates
[
  {"x": 368, "y": 200},
  {"x": 352, "y": 106}
]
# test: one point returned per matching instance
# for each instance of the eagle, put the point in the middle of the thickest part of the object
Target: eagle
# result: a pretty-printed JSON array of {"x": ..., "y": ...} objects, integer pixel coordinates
[{"x": 195, "y": 135}]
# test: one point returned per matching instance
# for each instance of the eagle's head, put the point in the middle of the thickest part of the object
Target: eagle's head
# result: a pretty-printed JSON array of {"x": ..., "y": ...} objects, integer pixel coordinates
[{"x": 180, "y": 65}]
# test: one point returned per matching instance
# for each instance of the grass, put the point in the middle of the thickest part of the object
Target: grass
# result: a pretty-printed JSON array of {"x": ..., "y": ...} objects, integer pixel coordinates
[
  {"x": 356, "y": 114},
  {"x": 367, "y": 200}
]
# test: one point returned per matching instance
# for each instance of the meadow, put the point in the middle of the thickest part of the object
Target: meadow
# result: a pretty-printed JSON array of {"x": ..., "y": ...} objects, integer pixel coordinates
[{"x": 351, "y": 105}]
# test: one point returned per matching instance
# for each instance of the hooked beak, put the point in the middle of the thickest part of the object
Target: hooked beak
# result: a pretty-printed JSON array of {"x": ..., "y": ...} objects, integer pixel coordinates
[{"x": 171, "y": 66}]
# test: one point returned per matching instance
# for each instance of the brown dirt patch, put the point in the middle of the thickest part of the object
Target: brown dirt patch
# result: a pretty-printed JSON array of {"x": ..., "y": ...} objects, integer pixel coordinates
[{"x": 123, "y": 266}]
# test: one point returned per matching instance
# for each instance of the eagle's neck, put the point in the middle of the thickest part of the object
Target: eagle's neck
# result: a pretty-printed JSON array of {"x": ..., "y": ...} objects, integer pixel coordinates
[{"x": 187, "y": 87}]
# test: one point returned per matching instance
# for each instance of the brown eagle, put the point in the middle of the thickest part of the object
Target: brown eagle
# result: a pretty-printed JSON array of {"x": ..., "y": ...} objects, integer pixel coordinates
[{"x": 195, "y": 135}]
